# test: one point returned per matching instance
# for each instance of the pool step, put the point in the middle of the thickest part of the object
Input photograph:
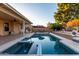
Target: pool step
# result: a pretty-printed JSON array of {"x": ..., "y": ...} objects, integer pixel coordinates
[
  {"x": 33, "y": 49},
  {"x": 39, "y": 49}
]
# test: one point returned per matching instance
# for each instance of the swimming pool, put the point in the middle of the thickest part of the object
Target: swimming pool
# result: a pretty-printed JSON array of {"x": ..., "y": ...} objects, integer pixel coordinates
[{"x": 39, "y": 44}]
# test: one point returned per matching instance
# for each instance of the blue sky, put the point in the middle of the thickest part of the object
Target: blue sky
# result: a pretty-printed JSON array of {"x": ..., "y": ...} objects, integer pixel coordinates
[{"x": 37, "y": 13}]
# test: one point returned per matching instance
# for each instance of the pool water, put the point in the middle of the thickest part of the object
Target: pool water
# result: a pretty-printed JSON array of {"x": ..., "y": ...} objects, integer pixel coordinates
[
  {"x": 40, "y": 44},
  {"x": 19, "y": 48}
]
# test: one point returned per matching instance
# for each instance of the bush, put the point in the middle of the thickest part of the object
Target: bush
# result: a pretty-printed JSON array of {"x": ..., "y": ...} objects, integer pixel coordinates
[
  {"x": 57, "y": 26},
  {"x": 54, "y": 26}
]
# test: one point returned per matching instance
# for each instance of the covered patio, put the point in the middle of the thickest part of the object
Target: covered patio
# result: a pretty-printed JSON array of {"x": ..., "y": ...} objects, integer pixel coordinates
[{"x": 11, "y": 21}]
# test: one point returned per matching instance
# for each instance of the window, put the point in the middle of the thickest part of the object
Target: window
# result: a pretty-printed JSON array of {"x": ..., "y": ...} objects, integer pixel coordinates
[{"x": 6, "y": 26}]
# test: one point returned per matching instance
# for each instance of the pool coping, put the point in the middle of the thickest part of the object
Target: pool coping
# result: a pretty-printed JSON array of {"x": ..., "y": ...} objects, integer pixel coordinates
[
  {"x": 69, "y": 43},
  {"x": 11, "y": 43}
]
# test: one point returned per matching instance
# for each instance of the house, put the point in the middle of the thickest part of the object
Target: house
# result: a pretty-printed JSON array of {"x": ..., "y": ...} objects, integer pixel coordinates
[
  {"x": 39, "y": 28},
  {"x": 11, "y": 21}
]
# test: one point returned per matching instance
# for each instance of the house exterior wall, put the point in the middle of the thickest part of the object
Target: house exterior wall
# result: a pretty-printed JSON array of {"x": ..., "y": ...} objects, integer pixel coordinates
[
  {"x": 1, "y": 27},
  {"x": 14, "y": 28},
  {"x": 17, "y": 28}
]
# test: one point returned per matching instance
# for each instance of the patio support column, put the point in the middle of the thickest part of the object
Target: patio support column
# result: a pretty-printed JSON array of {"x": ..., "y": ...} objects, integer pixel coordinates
[{"x": 23, "y": 27}]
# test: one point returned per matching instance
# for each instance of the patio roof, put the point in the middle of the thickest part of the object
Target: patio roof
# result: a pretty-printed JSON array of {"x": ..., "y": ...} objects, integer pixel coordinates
[{"x": 10, "y": 9}]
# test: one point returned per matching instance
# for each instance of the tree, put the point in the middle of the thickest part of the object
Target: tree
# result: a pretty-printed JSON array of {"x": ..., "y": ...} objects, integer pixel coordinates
[
  {"x": 50, "y": 25},
  {"x": 67, "y": 12},
  {"x": 54, "y": 26},
  {"x": 73, "y": 23}
]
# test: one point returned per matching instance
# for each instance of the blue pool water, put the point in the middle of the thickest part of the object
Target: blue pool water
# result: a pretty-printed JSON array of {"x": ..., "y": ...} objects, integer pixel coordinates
[{"x": 39, "y": 44}]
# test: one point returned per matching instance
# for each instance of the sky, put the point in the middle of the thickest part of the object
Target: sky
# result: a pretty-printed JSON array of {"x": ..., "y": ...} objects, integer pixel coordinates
[{"x": 37, "y": 13}]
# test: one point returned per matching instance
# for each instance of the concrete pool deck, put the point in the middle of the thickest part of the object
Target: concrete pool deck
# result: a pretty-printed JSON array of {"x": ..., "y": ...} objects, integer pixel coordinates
[
  {"x": 63, "y": 34},
  {"x": 13, "y": 40},
  {"x": 66, "y": 40}
]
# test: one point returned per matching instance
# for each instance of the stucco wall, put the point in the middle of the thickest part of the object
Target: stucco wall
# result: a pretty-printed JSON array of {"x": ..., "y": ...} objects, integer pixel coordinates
[
  {"x": 1, "y": 27},
  {"x": 17, "y": 28},
  {"x": 14, "y": 27}
]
